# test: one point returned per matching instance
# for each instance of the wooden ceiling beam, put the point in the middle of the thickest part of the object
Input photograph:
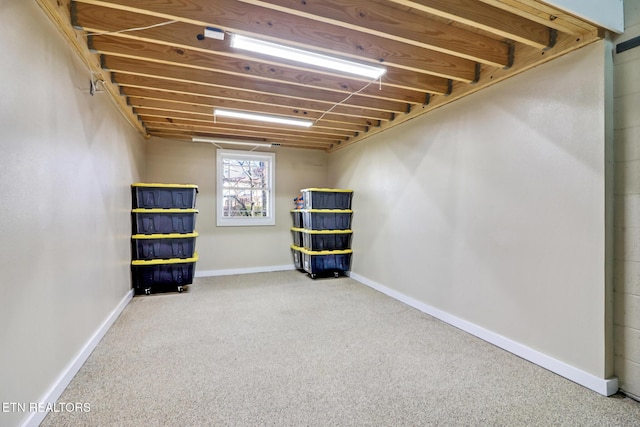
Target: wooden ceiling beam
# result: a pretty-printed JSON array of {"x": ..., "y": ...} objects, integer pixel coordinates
[
  {"x": 545, "y": 15},
  {"x": 144, "y": 112},
  {"x": 232, "y": 16},
  {"x": 381, "y": 20},
  {"x": 239, "y": 129},
  {"x": 487, "y": 18},
  {"x": 395, "y": 81},
  {"x": 204, "y": 112},
  {"x": 142, "y": 94},
  {"x": 241, "y": 132},
  {"x": 415, "y": 73},
  {"x": 211, "y": 78},
  {"x": 132, "y": 80},
  {"x": 246, "y": 126},
  {"x": 136, "y": 49},
  {"x": 284, "y": 142},
  {"x": 168, "y": 77}
]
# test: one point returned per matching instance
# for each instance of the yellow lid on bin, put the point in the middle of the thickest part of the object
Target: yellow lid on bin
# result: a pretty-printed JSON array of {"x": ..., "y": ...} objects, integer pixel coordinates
[
  {"x": 138, "y": 262},
  {"x": 157, "y": 184},
  {"x": 328, "y": 190},
  {"x": 160, "y": 210},
  {"x": 327, "y": 210},
  {"x": 305, "y": 230},
  {"x": 165, "y": 236},
  {"x": 336, "y": 252}
]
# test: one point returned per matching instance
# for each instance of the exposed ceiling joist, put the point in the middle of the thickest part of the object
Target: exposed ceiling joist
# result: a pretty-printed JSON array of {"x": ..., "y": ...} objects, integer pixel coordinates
[{"x": 167, "y": 77}]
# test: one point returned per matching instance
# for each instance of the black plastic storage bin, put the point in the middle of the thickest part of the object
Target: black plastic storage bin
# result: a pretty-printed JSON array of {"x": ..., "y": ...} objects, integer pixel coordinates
[
  {"x": 162, "y": 274},
  {"x": 163, "y": 196},
  {"x": 322, "y": 263},
  {"x": 326, "y": 240},
  {"x": 326, "y": 219},
  {"x": 296, "y": 216},
  {"x": 163, "y": 221},
  {"x": 163, "y": 246},
  {"x": 327, "y": 198}
]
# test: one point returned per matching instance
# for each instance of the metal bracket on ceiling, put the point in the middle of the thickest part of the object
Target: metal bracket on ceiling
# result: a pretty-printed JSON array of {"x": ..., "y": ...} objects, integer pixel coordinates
[
  {"x": 427, "y": 100},
  {"x": 449, "y": 87},
  {"x": 476, "y": 79},
  {"x": 510, "y": 57},
  {"x": 553, "y": 38}
]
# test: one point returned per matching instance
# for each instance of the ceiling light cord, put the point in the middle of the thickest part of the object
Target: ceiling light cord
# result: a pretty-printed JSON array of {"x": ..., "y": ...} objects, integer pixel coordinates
[
  {"x": 348, "y": 97},
  {"x": 126, "y": 30}
]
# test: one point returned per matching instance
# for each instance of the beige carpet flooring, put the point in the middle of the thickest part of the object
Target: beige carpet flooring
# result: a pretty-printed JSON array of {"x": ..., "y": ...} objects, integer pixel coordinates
[{"x": 280, "y": 349}]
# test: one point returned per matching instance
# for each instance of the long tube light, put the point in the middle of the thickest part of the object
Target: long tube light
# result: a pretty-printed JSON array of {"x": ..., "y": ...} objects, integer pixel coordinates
[
  {"x": 312, "y": 58},
  {"x": 228, "y": 141},
  {"x": 218, "y": 112}
]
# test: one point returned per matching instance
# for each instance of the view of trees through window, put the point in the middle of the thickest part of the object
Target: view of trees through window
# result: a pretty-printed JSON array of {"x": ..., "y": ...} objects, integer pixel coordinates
[{"x": 245, "y": 187}]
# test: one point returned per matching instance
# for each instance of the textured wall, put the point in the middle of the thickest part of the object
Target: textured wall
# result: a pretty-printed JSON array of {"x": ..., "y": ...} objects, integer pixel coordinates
[
  {"x": 67, "y": 160},
  {"x": 627, "y": 149},
  {"x": 492, "y": 209}
]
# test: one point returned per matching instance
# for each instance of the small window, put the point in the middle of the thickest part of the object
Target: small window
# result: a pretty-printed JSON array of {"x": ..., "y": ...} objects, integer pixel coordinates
[{"x": 245, "y": 188}]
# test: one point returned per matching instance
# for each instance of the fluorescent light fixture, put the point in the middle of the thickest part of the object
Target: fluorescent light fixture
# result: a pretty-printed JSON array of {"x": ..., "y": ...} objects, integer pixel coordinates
[
  {"x": 229, "y": 141},
  {"x": 294, "y": 54},
  {"x": 261, "y": 117}
]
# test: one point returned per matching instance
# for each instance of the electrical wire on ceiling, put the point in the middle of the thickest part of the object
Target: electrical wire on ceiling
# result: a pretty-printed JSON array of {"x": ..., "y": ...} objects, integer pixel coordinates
[
  {"x": 126, "y": 30},
  {"x": 348, "y": 97}
]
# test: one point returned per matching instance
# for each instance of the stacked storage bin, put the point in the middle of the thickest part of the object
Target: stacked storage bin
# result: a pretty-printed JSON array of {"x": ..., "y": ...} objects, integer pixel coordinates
[
  {"x": 322, "y": 232},
  {"x": 163, "y": 236}
]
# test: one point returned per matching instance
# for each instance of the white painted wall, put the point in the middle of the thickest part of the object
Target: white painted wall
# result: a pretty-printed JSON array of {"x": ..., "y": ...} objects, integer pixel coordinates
[
  {"x": 492, "y": 210},
  {"x": 236, "y": 249},
  {"x": 66, "y": 162},
  {"x": 627, "y": 264}
]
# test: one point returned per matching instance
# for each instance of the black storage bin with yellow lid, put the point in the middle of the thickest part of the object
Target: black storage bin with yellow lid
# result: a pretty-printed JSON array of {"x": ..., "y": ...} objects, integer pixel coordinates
[
  {"x": 163, "y": 246},
  {"x": 163, "y": 196},
  {"x": 324, "y": 263},
  {"x": 326, "y": 198},
  {"x": 162, "y": 274},
  {"x": 326, "y": 219},
  {"x": 163, "y": 221},
  {"x": 326, "y": 240}
]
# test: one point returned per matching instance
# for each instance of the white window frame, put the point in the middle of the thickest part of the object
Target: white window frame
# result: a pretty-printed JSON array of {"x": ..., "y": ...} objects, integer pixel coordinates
[{"x": 223, "y": 221}]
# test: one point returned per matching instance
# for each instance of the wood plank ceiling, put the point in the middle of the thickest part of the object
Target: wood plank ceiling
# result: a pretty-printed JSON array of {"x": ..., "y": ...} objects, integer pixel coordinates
[{"x": 152, "y": 57}]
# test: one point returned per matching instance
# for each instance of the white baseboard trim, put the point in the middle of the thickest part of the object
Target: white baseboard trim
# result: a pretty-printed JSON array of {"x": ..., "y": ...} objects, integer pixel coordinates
[
  {"x": 61, "y": 383},
  {"x": 233, "y": 271},
  {"x": 606, "y": 387}
]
